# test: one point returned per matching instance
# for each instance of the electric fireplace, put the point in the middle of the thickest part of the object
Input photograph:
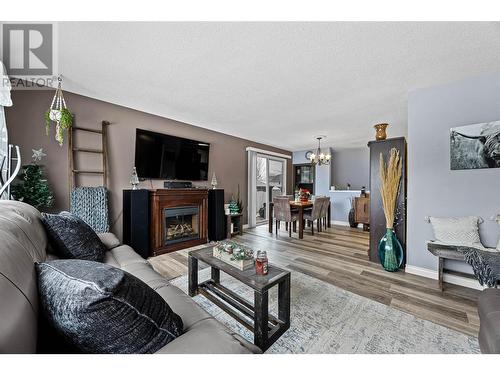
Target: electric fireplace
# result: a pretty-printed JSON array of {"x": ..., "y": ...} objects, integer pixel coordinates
[
  {"x": 179, "y": 219},
  {"x": 181, "y": 224}
]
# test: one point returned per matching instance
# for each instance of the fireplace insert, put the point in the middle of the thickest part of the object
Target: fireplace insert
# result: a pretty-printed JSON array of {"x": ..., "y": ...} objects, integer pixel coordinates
[{"x": 181, "y": 224}]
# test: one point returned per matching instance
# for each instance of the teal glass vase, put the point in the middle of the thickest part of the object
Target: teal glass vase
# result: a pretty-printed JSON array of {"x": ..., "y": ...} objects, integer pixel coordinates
[{"x": 390, "y": 251}]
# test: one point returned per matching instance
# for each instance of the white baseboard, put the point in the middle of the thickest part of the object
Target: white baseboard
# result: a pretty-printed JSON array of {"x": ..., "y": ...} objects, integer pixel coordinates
[
  {"x": 424, "y": 272},
  {"x": 448, "y": 278},
  {"x": 344, "y": 223},
  {"x": 463, "y": 281}
]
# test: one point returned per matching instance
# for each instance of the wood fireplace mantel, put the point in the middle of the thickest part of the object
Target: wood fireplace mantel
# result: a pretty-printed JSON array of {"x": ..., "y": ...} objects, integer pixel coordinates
[{"x": 162, "y": 199}]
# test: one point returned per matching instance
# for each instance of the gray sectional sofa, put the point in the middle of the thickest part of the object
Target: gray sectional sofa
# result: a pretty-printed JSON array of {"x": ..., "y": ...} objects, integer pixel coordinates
[
  {"x": 489, "y": 316},
  {"x": 23, "y": 242}
]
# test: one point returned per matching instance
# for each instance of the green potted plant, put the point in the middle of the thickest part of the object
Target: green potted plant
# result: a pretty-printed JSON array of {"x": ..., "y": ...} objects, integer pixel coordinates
[
  {"x": 59, "y": 114},
  {"x": 63, "y": 119}
]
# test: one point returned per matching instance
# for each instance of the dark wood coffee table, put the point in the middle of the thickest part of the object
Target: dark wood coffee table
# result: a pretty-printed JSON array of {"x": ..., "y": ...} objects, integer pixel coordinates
[{"x": 265, "y": 327}]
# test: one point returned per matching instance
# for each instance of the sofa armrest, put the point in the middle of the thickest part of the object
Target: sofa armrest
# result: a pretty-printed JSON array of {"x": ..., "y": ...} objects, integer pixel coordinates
[{"x": 109, "y": 240}]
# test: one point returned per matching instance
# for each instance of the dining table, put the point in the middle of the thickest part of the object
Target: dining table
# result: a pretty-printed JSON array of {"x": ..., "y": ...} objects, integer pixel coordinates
[{"x": 300, "y": 206}]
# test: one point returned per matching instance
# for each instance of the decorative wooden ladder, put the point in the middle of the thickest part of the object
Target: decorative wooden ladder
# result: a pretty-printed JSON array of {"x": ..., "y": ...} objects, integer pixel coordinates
[{"x": 72, "y": 149}]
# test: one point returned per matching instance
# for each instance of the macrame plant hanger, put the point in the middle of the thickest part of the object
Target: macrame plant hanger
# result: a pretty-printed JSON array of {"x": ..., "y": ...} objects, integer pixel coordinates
[{"x": 59, "y": 114}]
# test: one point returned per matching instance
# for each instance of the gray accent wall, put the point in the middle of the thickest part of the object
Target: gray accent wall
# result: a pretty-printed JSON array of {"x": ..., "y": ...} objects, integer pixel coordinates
[
  {"x": 351, "y": 166},
  {"x": 434, "y": 189}
]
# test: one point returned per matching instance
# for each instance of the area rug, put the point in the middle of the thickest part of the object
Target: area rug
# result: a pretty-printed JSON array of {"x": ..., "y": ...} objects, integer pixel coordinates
[{"x": 327, "y": 319}]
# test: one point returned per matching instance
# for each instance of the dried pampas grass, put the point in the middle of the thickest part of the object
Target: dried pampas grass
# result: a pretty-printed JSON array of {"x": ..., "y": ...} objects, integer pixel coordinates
[{"x": 390, "y": 176}]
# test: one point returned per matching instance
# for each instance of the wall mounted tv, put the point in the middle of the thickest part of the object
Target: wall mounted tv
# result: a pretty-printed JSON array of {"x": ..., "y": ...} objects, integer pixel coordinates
[{"x": 165, "y": 157}]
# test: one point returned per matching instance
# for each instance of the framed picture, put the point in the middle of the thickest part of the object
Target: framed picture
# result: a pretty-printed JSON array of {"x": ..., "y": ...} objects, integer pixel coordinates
[{"x": 475, "y": 146}]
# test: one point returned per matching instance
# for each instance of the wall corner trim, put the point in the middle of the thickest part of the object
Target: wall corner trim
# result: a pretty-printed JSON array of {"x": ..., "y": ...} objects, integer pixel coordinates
[
  {"x": 452, "y": 279},
  {"x": 272, "y": 153}
]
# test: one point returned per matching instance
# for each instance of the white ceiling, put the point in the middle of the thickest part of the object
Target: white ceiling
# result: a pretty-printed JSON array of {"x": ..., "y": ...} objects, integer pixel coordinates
[{"x": 276, "y": 83}]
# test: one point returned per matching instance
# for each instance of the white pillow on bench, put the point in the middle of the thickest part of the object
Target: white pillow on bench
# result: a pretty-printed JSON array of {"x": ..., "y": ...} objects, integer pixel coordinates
[{"x": 457, "y": 231}]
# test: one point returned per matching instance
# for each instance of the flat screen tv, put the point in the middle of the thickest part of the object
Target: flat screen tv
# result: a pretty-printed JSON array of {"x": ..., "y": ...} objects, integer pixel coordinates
[{"x": 165, "y": 157}]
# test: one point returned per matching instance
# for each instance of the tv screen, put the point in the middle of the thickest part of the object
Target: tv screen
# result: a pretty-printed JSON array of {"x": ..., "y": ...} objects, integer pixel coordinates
[{"x": 162, "y": 156}]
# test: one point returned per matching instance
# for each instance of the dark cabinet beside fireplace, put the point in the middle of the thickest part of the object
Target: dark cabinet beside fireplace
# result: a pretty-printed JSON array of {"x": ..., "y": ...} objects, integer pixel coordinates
[{"x": 178, "y": 219}]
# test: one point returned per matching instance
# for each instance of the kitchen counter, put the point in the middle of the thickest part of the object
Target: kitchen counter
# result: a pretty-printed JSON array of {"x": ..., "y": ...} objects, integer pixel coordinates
[{"x": 341, "y": 204}]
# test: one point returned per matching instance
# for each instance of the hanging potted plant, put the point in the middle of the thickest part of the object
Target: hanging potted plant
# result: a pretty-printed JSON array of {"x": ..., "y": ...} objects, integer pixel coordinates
[
  {"x": 59, "y": 114},
  {"x": 390, "y": 250}
]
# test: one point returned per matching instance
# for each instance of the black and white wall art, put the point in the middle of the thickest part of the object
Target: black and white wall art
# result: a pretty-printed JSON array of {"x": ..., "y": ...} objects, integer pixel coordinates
[{"x": 475, "y": 146}]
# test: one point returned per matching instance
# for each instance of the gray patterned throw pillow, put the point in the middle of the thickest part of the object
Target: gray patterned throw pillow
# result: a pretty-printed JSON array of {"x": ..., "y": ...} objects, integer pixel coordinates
[
  {"x": 98, "y": 308},
  {"x": 70, "y": 237}
]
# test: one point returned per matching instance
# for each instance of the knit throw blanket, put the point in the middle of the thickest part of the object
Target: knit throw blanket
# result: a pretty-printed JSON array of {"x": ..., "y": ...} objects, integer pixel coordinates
[
  {"x": 486, "y": 265},
  {"x": 91, "y": 205}
]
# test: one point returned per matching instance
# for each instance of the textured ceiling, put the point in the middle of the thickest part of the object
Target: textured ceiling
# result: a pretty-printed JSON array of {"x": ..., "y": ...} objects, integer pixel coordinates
[{"x": 276, "y": 83}]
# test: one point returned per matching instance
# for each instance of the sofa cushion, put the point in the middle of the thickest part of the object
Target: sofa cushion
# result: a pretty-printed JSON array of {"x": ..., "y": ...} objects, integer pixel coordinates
[
  {"x": 127, "y": 259},
  {"x": 124, "y": 255},
  {"x": 109, "y": 240},
  {"x": 102, "y": 309},
  {"x": 488, "y": 302},
  {"x": 489, "y": 333},
  {"x": 23, "y": 242},
  {"x": 70, "y": 237},
  {"x": 183, "y": 305},
  {"x": 209, "y": 337},
  {"x": 143, "y": 272}
]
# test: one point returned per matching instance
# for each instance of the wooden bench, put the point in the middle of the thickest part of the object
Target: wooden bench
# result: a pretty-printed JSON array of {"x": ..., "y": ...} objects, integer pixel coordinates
[{"x": 443, "y": 252}]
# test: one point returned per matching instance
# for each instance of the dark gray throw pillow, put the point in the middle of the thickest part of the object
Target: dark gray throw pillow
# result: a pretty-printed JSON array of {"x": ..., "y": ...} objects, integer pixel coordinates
[
  {"x": 98, "y": 308},
  {"x": 70, "y": 237}
]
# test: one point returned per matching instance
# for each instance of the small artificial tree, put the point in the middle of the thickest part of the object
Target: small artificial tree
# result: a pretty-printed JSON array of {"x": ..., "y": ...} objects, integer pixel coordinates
[{"x": 31, "y": 187}]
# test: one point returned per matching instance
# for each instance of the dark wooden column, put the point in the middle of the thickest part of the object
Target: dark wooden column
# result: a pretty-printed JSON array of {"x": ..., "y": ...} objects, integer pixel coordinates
[{"x": 377, "y": 217}]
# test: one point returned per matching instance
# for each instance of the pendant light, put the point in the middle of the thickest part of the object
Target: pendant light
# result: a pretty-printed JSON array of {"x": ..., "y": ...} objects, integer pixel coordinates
[{"x": 320, "y": 158}]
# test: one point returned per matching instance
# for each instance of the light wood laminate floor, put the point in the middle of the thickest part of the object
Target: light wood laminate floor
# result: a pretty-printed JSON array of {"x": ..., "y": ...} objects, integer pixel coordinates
[{"x": 339, "y": 256}]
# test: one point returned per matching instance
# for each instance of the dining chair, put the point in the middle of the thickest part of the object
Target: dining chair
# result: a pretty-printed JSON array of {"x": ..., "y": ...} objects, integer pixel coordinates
[
  {"x": 308, "y": 210},
  {"x": 283, "y": 212},
  {"x": 294, "y": 210},
  {"x": 315, "y": 213},
  {"x": 324, "y": 213}
]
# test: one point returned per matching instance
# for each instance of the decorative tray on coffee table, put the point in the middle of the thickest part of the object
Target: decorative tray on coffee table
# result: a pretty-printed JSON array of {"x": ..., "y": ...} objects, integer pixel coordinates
[{"x": 235, "y": 254}]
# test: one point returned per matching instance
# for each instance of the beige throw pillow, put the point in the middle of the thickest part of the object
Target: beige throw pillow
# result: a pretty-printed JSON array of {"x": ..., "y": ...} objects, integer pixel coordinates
[{"x": 457, "y": 231}]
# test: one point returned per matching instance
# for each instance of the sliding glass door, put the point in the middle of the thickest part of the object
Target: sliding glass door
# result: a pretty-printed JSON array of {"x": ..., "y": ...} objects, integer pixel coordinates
[{"x": 270, "y": 181}]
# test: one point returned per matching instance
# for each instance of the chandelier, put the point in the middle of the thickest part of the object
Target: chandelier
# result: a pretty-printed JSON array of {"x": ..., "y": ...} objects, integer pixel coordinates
[{"x": 319, "y": 157}]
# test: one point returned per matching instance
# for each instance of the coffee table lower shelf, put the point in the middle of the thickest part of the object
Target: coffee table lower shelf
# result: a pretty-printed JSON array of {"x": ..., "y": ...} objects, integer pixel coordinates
[{"x": 255, "y": 317}]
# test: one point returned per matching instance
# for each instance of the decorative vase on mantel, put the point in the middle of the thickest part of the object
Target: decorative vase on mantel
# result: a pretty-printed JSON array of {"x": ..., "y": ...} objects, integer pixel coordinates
[{"x": 390, "y": 251}]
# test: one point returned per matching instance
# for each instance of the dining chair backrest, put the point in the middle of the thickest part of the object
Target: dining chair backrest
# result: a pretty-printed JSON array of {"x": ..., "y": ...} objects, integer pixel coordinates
[
  {"x": 317, "y": 207},
  {"x": 324, "y": 209},
  {"x": 282, "y": 211}
]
